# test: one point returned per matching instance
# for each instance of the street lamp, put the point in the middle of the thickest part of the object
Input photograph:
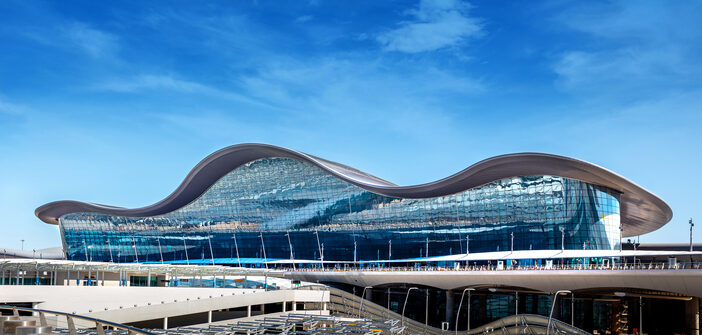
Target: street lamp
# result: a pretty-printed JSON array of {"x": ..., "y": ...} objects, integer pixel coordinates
[
  {"x": 85, "y": 247},
  {"x": 553, "y": 305},
  {"x": 109, "y": 246},
  {"x": 263, "y": 245},
  {"x": 389, "y": 250},
  {"x": 363, "y": 296},
  {"x": 319, "y": 248},
  {"x": 158, "y": 239},
  {"x": 236, "y": 245},
  {"x": 185, "y": 248},
  {"x": 209, "y": 241},
  {"x": 459, "y": 308},
  {"x": 691, "y": 225},
  {"x": 292, "y": 257},
  {"x": 405, "y": 305}
]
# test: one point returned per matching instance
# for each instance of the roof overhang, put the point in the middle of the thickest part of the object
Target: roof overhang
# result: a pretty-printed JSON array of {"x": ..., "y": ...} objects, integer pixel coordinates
[{"x": 641, "y": 211}]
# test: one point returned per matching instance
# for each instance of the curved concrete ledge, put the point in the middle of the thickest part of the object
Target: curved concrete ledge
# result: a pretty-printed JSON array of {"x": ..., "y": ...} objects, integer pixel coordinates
[{"x": 641, "y": 210}]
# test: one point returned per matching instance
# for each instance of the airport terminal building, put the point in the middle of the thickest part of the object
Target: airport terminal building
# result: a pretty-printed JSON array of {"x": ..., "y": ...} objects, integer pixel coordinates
[{"x": 250, "y": 204}]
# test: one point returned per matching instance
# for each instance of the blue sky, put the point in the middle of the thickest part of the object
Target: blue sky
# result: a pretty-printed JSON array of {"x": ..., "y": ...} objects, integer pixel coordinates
[{"x": 115, "y": 104}]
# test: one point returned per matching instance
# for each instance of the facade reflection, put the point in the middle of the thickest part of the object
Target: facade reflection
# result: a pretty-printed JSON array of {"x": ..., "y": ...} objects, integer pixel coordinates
[{"x": 260, "y": 202}]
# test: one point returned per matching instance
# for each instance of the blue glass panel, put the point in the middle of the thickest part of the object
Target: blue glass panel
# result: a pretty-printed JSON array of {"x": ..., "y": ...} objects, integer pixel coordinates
[{"x": 263, "y": 208}]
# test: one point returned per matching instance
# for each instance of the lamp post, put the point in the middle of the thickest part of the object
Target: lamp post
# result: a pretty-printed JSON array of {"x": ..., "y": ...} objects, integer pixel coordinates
[
  {"x": 110, "y": 248},
  {"x": 185, "y": 248},
  {"x": 319, "y": 248},
  {"x": 22, "y": 240},
  {"x": 158, "y": 239},
  {"x": 511, "y": 250},
  {"x": 553, "y": 305},
  {"x": 292, "y": 257},
  {"x": 355, "y": 263},
  {"x": 363, "y": 297},
  {"x": 85, "y": 247},
  {"x": 389, "y": 250},
  {"x": 459, "y": 309},
  {"x": 209, "y": 241},
  {"x": 691, "y": 225},
  {"x": 563, "y": 240},
  {"x": 136, "y": 254},
  {"x": 405, "y": 304},
  {"x": 236, "y": 246},
  {"x": 263, "y": 245}
]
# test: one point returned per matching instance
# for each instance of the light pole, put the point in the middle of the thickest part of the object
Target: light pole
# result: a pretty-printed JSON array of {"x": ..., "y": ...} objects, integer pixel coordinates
[
  {"x": 389, "y": 250},
  {"x": 209, "y": 241},
  {"x": 691, "y": 225},
  {"x": 319, "y": 248},
  {"x": 363, "y": 297},
  {"x": 158, "y": 239},
  {"x": 109, "y": 246},
  {"x": 22, "y": 240},
  {"x": 185, "y": 248},
  {"x": 405, "y": 305},
  {"x": 136, "y": 255},
  {"x": 292, "y": 257},
  {"x": 355, "y": 263},
  {"x": 511, "y": 250},
  {"x": 263, "y": 245},
  {"x": 236, "y": 245},
  {"x": 563, "y": 240},
  {"x": 459, "y": 308},
  {"x": 85, "y": 247},
  {"x": 553, "y": 305}
]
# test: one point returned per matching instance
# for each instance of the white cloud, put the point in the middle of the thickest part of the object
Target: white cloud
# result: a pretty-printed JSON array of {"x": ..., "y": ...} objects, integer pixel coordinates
[
  {"x": 169, "y": 83},
  {"x": 94, "y": 42},
  {"x": 11, "y": 108},
  {"x": 365, "y": 94},
  {"x": 437, "y": 24},
  {"x": 634, "y": 47},
  {"x": 76, "y": 36}
]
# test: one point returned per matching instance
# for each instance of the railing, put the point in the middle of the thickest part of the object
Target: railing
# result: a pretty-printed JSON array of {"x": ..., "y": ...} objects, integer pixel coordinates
[
  {"x": 99, "y": 323},
  {"x": 584, "y": 267},
  {"x": 344, "y": 303}
]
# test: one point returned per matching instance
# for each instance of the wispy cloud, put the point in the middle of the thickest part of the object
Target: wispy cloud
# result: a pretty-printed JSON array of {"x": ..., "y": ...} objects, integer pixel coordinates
[
  {"x": 8, "y": 108},
  {"x": 633, "y": 46},
  {"x": 138, "y": 84},
  {"x": 75, "y": 36},
  {"x": 436, "y": 24},
  {"x": 364, "y": 92},
  {"x": 94, "y": 42}
]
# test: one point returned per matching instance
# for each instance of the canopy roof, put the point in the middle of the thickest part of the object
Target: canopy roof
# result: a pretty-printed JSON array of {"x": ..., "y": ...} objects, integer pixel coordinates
[{"x": 641, "y": 210}]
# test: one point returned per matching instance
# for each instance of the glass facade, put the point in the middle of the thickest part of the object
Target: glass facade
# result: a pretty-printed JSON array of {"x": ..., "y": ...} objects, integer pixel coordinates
[{"x": 267, "y": 207}]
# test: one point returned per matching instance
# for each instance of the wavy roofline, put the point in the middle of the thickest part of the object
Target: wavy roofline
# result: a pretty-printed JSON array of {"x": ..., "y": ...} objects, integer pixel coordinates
[{"x": 640, "y": 210}]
